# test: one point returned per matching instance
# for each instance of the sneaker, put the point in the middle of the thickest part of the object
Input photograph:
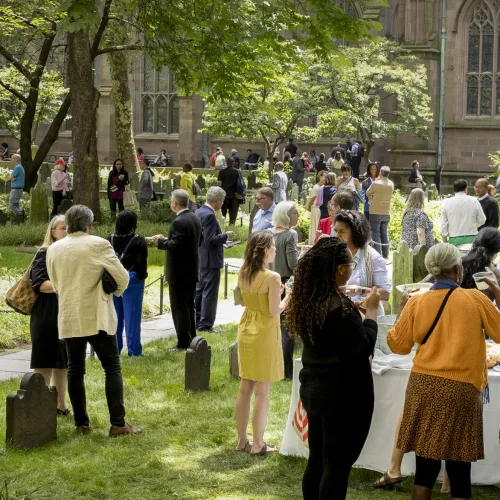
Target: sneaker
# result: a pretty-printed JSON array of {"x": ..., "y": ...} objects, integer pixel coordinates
[
  {"x": 84, "y": 429},
  {"x": 115, "y": 431}
]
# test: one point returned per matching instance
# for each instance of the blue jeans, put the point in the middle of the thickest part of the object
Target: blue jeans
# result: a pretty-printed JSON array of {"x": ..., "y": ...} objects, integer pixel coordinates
[
  {"x": 380, "y": 233},
  {"x": 15, "y": 199},
  {"x": 129, "y": 311}
]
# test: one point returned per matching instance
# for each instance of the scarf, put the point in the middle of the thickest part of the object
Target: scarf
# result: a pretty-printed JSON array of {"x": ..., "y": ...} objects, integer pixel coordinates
[{"x": 365, "y": 261}]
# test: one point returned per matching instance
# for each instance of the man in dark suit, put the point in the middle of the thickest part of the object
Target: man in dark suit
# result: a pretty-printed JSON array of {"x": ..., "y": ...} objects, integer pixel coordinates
[
  {"x": 182, "y": 246},
  {"x": 211, "y": 259}
]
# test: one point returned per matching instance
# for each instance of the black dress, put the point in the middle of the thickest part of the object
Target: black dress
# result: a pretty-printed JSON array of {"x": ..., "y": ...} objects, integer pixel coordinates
[{"x": 47, "y": 350}]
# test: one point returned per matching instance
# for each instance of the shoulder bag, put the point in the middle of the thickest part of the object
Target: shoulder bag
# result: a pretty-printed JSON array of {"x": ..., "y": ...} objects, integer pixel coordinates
[
  {"x": 21, "y": 297},
  {"x": 129, "y": 198},
  {"x": 431, "y": 329}
]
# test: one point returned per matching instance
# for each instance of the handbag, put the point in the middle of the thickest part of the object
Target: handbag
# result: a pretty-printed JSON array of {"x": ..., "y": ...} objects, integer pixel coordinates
[
  {"x": 129, "y": 198},
  {"x": 431, "y": 329},
  {"x": 109, "y": 284},
  {"x": 300, "y": 423},
  {"x": 21, "y": 297}
]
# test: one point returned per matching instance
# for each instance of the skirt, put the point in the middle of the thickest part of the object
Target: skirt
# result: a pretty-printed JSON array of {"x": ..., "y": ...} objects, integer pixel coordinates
[
  {"x": 442, "y": 419},
  {"x": 313, "y": 225}
]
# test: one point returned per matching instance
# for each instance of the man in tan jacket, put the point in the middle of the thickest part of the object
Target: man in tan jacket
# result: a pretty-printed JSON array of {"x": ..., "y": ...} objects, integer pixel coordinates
[
  {"x": 87, "y": 314},
  {"x": 380, "y": 195}
]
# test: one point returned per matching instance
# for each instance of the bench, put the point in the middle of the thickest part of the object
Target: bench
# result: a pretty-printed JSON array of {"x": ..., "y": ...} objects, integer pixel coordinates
[
  {"x": 65, "y": 156},
  {"x": 152, "y": 158}
]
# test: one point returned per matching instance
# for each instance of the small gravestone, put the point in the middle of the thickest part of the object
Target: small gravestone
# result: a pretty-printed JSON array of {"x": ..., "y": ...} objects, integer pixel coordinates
[
  {"x": 432, "y": 193},
  {"x": 198, "y": 358},
  {"x": 32, "y": 413},
  {"x": 167, "y": 186},
  {"x": 45, "y": 171},
  {"x": 251, "y": 181},
  {"x": 234, "y": 368},
  {"x": 3, "y": 218},
  {"x": 65, "y": 205},
  {"x": 39, "y": 211},
  {"x": 17, "y": 219},
  {"x": 295, "y": 192},
  {"x": 402, "y": 272},
  {"x": 200, "y": 180},
  {"x": 419, "y": 269},
  {"x": 177, "y": 182}
]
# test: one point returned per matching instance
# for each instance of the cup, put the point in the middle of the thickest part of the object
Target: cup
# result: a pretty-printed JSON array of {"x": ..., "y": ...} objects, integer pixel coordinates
[{"x": 480, "y": 283}]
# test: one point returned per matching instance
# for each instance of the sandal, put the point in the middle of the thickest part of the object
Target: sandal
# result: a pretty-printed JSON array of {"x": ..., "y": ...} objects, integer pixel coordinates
[
  {"x": 386, "y": 480},
  {"x": 267, "y": 448},
  {"x": 64, "y": 413},
  {"x": 246, "y": 449}
]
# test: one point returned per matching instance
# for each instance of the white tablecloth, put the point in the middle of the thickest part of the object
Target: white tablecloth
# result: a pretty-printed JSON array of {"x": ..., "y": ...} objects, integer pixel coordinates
[{"x": 390, "y": 391}]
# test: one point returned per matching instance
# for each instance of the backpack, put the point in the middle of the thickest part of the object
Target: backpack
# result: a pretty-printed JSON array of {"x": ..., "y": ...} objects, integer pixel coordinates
[
  {"x": 361, "y": 151},
  {"x": 241, "y": 189},
  {"x": 121, "y": 257}
]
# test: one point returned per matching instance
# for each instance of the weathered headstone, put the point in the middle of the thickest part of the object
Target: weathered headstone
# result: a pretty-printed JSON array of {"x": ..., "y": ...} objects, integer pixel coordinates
[
  {"x": 177, "y": 182},
  {"x": 65, "y": 205},
  {"x": 45, "y": 171},
  {"x": 432, "y": 193},
  {"x": 295, "y": 193},
  {"x": 32, "y": 413},
  {"x": 289, "y": 188},
  {"x": 39, "y": 211},
  {"x": 251, "y": 181},
  {"x": 3, "y": 218},
  {"x": 17, "y": 219},
  {"x": 402, "y": 272},
  {"x": 234, "y": 368},
  {"x": 200, "y": 180},
  {"x": 198, "y": 359},
  {"x": 168, "y": 187},
  {"x": 419, "y": 269}
]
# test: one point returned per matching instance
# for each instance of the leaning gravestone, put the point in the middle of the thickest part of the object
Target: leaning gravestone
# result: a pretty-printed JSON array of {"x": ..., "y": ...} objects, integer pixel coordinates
[
  {"x": 295, "y": 192},
  {"x": 17, "y": 219},
  {"x": 251, "y": 181},
  {"x": 198, "y": 358},
  {"x": 402, "y": 272},
  {"x": 39, "y": 211},
  {"x": 419, "y": 269},
  {"x": 65, "y": 205},
  {"x": 200, "y": 180},
  {"x": 32, "y": 413},
  {"x": 432, "y": 193},
  {"x": 177, "y": 182},
  {"x": 234, "y": 367},
  {"x": 3, "y": 218}
]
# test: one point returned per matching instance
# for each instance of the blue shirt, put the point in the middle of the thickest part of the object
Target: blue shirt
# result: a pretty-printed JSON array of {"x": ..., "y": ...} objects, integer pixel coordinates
[
  {"x": 18, "y": 174},
  {"x": 263, "y": 219}
]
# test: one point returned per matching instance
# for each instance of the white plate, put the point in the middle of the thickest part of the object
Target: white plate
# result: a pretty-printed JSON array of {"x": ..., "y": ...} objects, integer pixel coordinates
[
  {"x": 424, "y": 287},
  {"x": 465, "y": 248}
]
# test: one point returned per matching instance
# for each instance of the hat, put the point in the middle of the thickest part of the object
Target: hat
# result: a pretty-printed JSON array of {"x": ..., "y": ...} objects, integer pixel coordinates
[
  {"x": 60, "y": 161},
  {"x": 233, "y": 151}
]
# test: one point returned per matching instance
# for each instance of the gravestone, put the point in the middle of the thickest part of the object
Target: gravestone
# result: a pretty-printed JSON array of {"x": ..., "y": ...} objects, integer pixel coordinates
[
  {"x": 402, "y": 272},
  {"x": 65, "y": 205},
  {"x": 432, "y": 193},
  {"x": 198, "y": 358},
  {"x": 32, "y": 413},
  {"x": 295, "y": 192},
  {"x": 17, "y": 219},
  {"x": 419, "y": 270},
  {"x": 39, "y": 211},
  {"x": 177, "y": 182},
  {"x": 251, "y": 181},
  {"x": 3, "y": 218},
  {"x": 48, "y": 186},
  {"x": 168, "y": 187},
  {"x": 289, "y": 188},
  {"x": 234, "y": 368},
  {"x": 200, "y": 180},
  {"x": 45, "y": 171}
]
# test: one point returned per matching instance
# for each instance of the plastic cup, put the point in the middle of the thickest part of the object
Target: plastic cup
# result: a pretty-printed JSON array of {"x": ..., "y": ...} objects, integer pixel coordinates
[{"x": 480, "y": 283}]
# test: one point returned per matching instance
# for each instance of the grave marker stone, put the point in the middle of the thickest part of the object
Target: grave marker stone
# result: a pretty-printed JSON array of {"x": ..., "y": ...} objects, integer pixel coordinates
[
  {"x": 198, "y": 359},
  {"x": 32, "y": 413},
  {"x": 432, "y": 193},
  {"x": 200, "y": 180},
  {"x": 177, "y": 182},
  {"x": 234, "y": 368},
  {"x": 65, "y": 205},
  {"x": 251, "y": 181},
  {"x": 3, "y": 218},
  {"x": 17, "y": 219},
  {"x": 402, "y": 272},
  {"x": 39, "y": 211},
  {"x": 419, "y": 270},
  {"x": 295, "y": 192}
]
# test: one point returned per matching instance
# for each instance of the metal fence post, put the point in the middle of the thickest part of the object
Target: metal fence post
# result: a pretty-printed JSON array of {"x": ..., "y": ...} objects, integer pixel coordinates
[
  {"x": 226, "y": 268},
  {"x": 162, "y": 279}
]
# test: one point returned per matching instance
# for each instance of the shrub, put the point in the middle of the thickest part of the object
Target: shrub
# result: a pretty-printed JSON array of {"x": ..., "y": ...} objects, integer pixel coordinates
[{"x": 303, "y": 223}]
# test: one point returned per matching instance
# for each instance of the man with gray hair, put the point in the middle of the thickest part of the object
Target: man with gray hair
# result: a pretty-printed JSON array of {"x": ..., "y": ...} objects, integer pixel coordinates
[
  {"x": 379, "y": 195},
  {"x": 76, "y": 265},
  {"x": 211, "y": 254},
  {"x": 182, "y": 244}
]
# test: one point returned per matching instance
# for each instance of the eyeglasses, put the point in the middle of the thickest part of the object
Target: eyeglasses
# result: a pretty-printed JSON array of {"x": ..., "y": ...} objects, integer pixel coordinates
[
  {"x": 352, "y": 265},
  {"x": 260, "y": 198}
]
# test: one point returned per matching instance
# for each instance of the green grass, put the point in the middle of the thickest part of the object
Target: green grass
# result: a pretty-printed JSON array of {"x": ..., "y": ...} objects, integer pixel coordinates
[{"x": 185, "y": 451}]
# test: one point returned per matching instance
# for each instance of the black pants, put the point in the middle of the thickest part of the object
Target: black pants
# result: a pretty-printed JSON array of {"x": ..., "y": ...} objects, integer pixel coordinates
[
  {"x": 335, "y": 443},
  {"x": 299, "y": 184},
  {"x": 106, "y": 349},
  {"x": 57, "y": 198},
  {"x": 427, "y": 471},
  {"x": 207, "y": 295},
  {"x": 183, "y": 312},
  {"x": 355, "y": 163},
  {"x": 287, "y": 343},
  {"x": 231, "y": 205},
  {"x": 113, "y": 203}
]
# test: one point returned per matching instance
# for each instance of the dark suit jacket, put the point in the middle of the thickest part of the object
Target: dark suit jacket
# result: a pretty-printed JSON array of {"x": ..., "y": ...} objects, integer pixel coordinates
[
  {"x": 211, "y": 249},
  {"x": 184, "y": 238}
]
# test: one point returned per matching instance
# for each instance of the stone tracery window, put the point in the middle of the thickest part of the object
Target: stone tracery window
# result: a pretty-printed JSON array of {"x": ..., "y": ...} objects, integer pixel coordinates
[
  {"x": 483, "y": 62},
  {"x": 159, "y": 101}
]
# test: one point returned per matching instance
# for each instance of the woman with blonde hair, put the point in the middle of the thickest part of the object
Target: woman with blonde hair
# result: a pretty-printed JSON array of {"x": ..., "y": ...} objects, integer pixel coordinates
[
  {"x": 260, "y": 354},
  {"x": 417, "y": 227},
  {"x": 48, "y": 353}
]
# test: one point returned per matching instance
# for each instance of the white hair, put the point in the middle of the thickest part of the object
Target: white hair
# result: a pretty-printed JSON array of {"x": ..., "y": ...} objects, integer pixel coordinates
[
  {"x": 385, "y": 171},
  {"x": 442, "y": 257},
  {"x": 215, "y": 193},
  {"x": 181, "y": 197},
  {"x": 280, "y": 214}
]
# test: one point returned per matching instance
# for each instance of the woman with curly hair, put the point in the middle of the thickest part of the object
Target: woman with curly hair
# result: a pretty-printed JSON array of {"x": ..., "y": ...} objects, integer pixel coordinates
[
  {"x": 369, "y": 268},
  {"x": 260, "y": 354},
  {"x": 336, "y": 379}
]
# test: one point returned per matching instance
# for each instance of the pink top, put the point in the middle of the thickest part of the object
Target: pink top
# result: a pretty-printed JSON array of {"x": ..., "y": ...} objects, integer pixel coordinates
[{"x": 56, "y": 178}]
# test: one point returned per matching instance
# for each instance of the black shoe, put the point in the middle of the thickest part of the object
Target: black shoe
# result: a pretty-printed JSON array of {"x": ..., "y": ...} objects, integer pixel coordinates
[{"x": 205, "y": 329}]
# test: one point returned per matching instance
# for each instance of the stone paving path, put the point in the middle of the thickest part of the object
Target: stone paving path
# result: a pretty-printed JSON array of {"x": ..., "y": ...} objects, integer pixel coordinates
[{"x": 16, "y": 364}]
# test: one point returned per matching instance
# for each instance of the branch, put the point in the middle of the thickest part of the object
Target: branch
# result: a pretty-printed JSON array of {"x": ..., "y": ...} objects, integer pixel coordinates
[
  {"x": 15, "y": 92},
  {"x": 387, "y": 96},
  {"x": 101, "y": 28},
  {"x": 15, "y": 62},
  {"x": 43, "y": 58},
  {"x": 124, "y": 21},
  {"x": 119, "y": 48}
]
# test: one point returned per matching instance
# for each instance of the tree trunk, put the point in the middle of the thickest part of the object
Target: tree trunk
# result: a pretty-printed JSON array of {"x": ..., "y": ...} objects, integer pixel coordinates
[
  {"x": 84, "y": 103},
  {"x": 124, "y": 137},
  {"x": 25, "y": 146}
]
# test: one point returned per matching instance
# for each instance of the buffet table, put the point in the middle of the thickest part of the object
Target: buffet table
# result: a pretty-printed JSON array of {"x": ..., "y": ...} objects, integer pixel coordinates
[{"x": 389, "y": 400}]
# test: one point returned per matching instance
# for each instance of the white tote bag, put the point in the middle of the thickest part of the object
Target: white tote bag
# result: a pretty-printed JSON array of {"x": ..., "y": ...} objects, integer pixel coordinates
[{"x": 129, "y": 198}]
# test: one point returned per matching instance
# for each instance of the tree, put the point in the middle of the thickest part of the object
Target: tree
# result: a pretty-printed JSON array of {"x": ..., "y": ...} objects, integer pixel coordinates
[{"x": 383, "y": 93}]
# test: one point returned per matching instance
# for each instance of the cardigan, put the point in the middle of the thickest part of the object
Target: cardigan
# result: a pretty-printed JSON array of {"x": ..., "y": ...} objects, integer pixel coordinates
[{"x": 456, "y": 350}]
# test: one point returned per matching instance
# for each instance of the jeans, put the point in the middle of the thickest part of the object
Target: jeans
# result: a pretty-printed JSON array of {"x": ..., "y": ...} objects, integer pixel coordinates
[
  {"x": 113, "y": 203},
  {"x": 129, "y": 311},
  {"x": 380, "y": 233},
  {"x": 14, "y": 199},
  {"x": 231, "y": 205},
  {"x": 207, "y": 295},
  {"x": 105, "y": 347}
]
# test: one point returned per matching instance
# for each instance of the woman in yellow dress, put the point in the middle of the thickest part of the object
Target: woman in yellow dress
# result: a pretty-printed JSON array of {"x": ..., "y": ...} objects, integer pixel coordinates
[{"x": 260, "y": 354}]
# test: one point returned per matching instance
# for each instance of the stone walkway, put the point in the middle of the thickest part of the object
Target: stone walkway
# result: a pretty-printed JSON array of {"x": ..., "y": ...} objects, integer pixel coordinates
[{"x": 16, "y": 364}]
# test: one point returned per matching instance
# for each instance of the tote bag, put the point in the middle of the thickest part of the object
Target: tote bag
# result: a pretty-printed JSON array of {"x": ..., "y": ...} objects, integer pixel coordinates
[
  {"x": 300, "y": 423},
  {"x": 21, "y": 296},
  {"x": 129, "y": 198}
]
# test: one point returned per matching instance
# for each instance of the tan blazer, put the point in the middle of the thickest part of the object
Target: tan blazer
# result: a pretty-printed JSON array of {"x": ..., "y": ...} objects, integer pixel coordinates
[{"x": 75, "y": 265}]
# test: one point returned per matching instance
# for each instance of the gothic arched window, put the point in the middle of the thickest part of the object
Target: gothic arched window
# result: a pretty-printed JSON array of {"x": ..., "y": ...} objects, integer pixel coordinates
[
  {"x": 159, "y": 113},
  {"x": 483, "y": 63}
]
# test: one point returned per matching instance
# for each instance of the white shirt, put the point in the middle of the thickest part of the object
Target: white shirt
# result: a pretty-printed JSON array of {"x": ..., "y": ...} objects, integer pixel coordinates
[
  {"x": 180, "y": 211},
  {"x": 461, "y": 216},
  {"x": 220, "y": 160}
]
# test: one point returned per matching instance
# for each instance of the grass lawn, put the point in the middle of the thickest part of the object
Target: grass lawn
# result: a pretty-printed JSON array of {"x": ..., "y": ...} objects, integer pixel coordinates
[{"x": 185, "y": 451}]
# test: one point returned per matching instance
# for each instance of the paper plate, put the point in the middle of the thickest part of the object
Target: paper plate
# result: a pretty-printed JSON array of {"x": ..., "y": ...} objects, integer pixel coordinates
[{"x": 423, "y": 287}]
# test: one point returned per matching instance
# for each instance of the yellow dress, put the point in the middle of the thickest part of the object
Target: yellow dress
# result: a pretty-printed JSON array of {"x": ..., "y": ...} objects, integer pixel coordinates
[{"x": 260, "y": 354}]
